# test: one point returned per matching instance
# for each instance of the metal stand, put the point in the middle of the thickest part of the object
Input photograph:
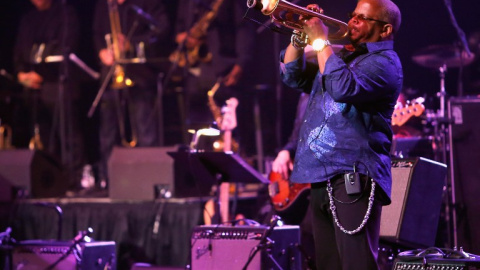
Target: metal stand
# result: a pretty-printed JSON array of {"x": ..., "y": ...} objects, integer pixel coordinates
[
  {"x": 441, "y": 129},
  {"x": 265, "y": 244},
  {"x": 258, "y": 129}
]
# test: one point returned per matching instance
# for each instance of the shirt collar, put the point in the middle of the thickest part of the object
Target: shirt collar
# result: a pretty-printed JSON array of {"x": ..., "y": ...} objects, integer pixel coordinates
[
  {"x": 349, "y": 52},
  {"x": 379, "y": 46}
]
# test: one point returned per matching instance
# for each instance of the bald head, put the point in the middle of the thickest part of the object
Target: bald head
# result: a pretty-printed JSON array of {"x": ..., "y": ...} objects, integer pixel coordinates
[{"x": 388, "y": 12}]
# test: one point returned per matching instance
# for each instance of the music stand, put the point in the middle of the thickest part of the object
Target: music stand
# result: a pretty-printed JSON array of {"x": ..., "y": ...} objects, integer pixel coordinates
[
  {"x": 231, "y": 167},
  {"x": 192, "y": 179},
  {"x": 213, "y": 168}
]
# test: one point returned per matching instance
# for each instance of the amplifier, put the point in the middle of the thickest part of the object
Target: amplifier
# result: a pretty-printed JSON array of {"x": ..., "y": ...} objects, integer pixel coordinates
[
  {"x": 227, "y": 247},
  {"x": 56, "y": 255},
  {"x": 437, "y": 259}
]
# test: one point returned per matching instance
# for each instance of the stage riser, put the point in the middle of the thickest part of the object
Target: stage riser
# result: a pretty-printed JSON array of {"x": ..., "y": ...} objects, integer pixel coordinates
[
  {"x": 134, "y": 172},
  {"x": 34, "y": 172}
]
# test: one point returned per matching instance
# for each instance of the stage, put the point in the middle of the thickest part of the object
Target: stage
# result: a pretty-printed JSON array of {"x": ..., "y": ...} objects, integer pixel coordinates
[{"x": 129, "y": 223}]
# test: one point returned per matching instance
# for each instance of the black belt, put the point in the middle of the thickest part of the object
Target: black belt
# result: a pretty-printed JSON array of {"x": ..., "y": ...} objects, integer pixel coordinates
[{"x": 323, "y": 184}]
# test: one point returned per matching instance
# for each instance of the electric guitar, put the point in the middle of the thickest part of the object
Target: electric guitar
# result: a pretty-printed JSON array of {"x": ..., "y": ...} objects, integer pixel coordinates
[
  {"x": 227, "y": 121},
  {"x": 285, "y": 195},
  {"x": 401, "y": 115}
]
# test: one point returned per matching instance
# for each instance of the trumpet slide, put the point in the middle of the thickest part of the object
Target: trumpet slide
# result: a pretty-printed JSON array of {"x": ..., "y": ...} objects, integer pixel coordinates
[{"x": 287, "y": 14}]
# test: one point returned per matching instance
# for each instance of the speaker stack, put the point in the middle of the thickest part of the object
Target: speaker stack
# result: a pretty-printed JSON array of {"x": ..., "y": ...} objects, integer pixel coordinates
[
  {"x": 465, "y": 169},
  {"x": 34, "y": 172},
  {"x": 417, "y": 188},
  {"x": 227, "y": 247},
  {"x": 134, "y": 172}
]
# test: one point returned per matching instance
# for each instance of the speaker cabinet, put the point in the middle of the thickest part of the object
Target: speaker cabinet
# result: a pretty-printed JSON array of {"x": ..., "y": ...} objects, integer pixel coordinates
[
  {"x": 39, "y": 254},
  {"x": 412, "y": 217},
  {"x": 6, "y": 190},
  {"x": 465, "y": 169},
  {"x": 134, "y": 172},
  {"x": 35, "y": 172},
  {"x": 226, "y": 247}
]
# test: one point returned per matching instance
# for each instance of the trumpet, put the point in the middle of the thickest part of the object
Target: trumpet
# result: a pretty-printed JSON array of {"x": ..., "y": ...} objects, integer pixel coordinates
[{"x": 288, "y": 14}]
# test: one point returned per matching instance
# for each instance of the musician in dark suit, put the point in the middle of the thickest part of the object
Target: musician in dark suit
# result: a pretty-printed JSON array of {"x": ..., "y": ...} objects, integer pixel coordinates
[
  {"x": 144, "y": 27},
  {"x": 225, "y": 51},
  {"x": 51, "y": 29}
]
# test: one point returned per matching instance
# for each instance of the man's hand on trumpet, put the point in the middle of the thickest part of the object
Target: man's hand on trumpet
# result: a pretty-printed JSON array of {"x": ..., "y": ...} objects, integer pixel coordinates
[{"x": 313, "y": 26}]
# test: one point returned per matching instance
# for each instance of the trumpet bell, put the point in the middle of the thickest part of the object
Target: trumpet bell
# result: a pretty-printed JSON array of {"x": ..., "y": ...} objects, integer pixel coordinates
[{"x": 288, "y": 15}]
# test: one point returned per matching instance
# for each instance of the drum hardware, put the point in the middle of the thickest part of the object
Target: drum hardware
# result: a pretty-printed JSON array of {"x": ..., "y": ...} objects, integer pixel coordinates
[
  {"x": 441, "y": 57},
  {"x": 436, "y": 56}
]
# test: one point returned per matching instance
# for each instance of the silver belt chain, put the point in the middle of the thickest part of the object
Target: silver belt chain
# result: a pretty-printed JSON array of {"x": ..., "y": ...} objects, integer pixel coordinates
[{"x": 334, "y": 212}]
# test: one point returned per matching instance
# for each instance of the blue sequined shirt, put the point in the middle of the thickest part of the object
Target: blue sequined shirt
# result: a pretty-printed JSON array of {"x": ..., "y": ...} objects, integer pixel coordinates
[{"x": 348, "y": 117}]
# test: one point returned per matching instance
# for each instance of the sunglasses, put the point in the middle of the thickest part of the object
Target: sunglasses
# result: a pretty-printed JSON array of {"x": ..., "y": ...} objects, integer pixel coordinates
[{"x": 362, "y": 17}]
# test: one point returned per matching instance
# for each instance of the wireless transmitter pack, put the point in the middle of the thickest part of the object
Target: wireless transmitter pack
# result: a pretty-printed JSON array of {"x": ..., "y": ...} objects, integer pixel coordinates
[{"x": 353, "y": 184}]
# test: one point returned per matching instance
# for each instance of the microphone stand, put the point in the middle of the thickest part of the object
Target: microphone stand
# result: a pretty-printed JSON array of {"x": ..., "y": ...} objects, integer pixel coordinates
[
  {"x": 59, "y": 212},
  {"x": 181, "y": 100},
  {"x": 181, "y": 47},
  {"x": 265, "y": 244},
  {"x": 77, "y": 240},
  {"x": 464, "y": 45},
  {"x": 63, "y": 77}
]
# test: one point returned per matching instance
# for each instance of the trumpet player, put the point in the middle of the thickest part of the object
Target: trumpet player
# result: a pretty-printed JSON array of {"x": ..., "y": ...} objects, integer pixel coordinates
[{"x": 345, "y": 138}]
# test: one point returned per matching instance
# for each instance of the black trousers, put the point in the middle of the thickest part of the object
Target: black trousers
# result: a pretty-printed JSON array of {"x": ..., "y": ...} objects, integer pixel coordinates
[{"x": 334, "y": 249}]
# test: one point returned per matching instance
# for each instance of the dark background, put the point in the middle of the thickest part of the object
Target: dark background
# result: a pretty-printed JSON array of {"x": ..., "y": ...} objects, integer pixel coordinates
[{"x": 424, "y": 23}]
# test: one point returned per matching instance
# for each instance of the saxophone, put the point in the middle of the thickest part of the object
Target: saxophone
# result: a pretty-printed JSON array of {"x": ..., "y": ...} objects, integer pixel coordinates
[{"x": 198, "y": 31}]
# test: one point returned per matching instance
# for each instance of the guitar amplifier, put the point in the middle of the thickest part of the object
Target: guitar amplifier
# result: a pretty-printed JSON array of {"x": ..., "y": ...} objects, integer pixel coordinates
[
  {"x": 227, "y": 247},
  {"x": 436, "y": 259},
  {"x": 57, "y": 255}
]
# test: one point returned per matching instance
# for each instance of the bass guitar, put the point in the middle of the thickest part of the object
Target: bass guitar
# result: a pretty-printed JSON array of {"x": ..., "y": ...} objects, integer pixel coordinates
[
  {"x": 401, "y": 115},
  {"x": 285, "y": 195}
]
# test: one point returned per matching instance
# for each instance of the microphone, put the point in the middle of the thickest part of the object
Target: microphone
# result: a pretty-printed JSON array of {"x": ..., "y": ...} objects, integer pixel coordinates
[
  {"x": 152, "y": 23},
  {"x": 273, "y": 222}
]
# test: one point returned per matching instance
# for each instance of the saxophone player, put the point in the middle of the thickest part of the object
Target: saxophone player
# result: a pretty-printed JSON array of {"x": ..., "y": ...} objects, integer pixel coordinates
[{"x": 217, "y": 43}]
